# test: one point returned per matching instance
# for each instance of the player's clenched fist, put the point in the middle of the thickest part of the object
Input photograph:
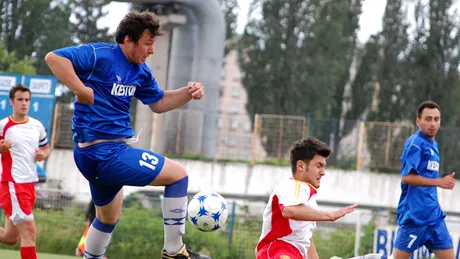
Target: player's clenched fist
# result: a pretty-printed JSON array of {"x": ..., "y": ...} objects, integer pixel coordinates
[
  {"x": 40, "y": 155},
  {"x": 85, "y": 96},
  {"x": 5, "y": 145},
  {"x": 447, "y": 182},
  {"x": 196, "y": 90}
]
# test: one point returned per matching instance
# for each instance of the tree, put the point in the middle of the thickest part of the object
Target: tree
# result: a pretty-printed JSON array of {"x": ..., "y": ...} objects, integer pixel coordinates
[
  {"x": 269, "y": 51},
  {"x": 56, "y": 20},
  {"x": 31, "y": 28},
  {"x": 332, "y": 51},
  {"x": 87, "y": 14},
  {"x": 391, "y": 74},
  {"x": 435, "y": 58},
  {"x": 382, "y": 77},
  {"x": 9, "y": 63},
  {"x": 22, "y": 23},
  {"x": 230, "y": 10},
  {"x": 296, "y": 59}
]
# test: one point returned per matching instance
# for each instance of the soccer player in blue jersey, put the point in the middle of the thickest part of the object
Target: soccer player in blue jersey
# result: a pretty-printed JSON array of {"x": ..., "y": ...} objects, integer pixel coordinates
[
  {"x": 420, "y": 218},
  {"x": 105, "y": 77}
]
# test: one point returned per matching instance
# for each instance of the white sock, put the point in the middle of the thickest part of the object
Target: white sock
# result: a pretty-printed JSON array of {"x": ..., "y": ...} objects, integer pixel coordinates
[
  {"x": 174, "y": 215},
  {"x": 98, "y": 239}
]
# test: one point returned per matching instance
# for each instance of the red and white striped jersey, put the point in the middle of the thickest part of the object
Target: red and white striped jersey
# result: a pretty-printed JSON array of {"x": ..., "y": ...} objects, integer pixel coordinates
[
  {"x": 277, "y": 227},
  {"x": 18, "y": 163}
]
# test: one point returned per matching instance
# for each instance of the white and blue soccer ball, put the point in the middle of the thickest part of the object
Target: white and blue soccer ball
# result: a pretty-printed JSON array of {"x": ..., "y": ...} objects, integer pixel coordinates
[{"x": 207, "y": 211}]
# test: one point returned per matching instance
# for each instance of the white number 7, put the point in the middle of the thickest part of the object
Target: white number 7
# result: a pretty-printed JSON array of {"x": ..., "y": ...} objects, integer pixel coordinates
[{"x": 413, "y": 238}]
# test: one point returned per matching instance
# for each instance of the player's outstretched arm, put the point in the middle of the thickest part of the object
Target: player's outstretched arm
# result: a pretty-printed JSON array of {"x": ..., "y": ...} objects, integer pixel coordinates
[
  {"x": 63, "y": 69},
  {"x": 173, "y": 99},
  {"x": 304, "y": 213},
  {"x": 447, "y": 182}
]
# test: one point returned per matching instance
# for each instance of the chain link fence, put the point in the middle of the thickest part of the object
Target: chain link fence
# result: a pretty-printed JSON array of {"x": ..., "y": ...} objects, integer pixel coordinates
[
  {"x": 375, "y": 146},
  {"x": 62, "y": 133},
  {"x": 383, "y": 143}
]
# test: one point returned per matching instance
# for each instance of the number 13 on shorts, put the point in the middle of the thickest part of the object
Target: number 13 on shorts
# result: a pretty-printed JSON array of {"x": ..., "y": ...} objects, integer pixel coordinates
[{"x": 148, "y": 160}]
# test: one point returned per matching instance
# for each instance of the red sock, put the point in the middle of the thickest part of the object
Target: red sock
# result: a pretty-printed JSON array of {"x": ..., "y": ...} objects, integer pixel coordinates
[{"x": 28, "y": 252}]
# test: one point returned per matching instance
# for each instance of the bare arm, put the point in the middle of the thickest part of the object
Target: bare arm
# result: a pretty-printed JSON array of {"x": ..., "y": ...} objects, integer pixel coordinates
[
  {"x": 304, "y": 213},
  {"x": 413, "y": 179},
  {"x": 63, "y": 69},
  {"x": 46, "y": 150},
  {"x": 172, "y": 99},
  {"x": 417, "y": 180},
  {"x": 312, "y": 252}
]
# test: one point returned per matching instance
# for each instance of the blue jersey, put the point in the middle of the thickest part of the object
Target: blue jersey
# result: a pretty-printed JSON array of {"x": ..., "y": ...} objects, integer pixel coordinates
[
  {"x": 114, "y": 80},
  {"x": 419, "y": 205}
]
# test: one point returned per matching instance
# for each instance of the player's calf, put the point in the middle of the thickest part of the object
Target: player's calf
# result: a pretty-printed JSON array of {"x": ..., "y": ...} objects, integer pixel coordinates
[{"x": 28, "y": 232}]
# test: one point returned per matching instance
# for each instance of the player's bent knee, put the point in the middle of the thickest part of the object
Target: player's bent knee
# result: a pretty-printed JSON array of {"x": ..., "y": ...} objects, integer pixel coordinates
[
  {"x": 170, "y": 173},
  {"x": 178, "y": 171},
  {"x": 11, "y": 240},
  {"x": 178, "y": 188}
]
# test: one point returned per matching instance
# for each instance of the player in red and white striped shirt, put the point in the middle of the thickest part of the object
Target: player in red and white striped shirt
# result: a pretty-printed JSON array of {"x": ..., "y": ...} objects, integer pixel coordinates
[
  {"x": 291, "y": 213},
  {"x": 23, "y": 142}
]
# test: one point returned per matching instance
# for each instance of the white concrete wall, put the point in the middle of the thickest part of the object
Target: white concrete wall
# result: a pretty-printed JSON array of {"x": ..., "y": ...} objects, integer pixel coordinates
[{"x": 230, "y": 178}]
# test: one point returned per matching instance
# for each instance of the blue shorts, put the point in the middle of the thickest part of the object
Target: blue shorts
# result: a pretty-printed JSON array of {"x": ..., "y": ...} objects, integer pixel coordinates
[
  {"x": 108, "y": 166},
  {"x": 433, "y": 237}
]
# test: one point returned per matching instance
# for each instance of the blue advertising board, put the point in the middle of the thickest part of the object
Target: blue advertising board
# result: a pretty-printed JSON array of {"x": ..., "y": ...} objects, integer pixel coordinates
[
  {"x": 43, "y": 96},
  {"x": 384, "y": 239}
]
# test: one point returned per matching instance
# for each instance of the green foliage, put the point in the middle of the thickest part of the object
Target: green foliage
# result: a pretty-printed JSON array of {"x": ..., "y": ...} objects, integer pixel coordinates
[
  {"x": 55, "y": 33},
  {"x": 11, "y": 64},
  {"x": 139, "y": 234},
  {"x": 87, "y": 14},
  {"x": 336, "y": 243},
  {"x": 31, "y": 27},
  {"x": 297, "y": 59},
  {"x": 230, "y": 10},
  {"x": 367, "y": 239},
  {"x": 11, "y": 254}
]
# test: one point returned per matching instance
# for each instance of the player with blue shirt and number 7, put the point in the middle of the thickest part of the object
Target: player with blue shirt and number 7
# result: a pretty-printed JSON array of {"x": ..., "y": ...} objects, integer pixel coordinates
[
  {"x": 105, "y": 77},
  {"x": 420, "y": 218}
]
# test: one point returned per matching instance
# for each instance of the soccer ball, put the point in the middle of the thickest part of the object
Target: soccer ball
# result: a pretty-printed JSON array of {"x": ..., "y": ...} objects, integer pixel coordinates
[{"x": 207, "y": 211}]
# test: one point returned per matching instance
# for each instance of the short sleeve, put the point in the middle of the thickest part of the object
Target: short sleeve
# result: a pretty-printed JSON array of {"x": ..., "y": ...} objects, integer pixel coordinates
[
  {"x": 149, "y": 92},
  {"x": 83, "y": 57},
  {"x": 43, "y": 139},
  {"x": 411, "y": 159},
  {"x": 293, "y": 193}
]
